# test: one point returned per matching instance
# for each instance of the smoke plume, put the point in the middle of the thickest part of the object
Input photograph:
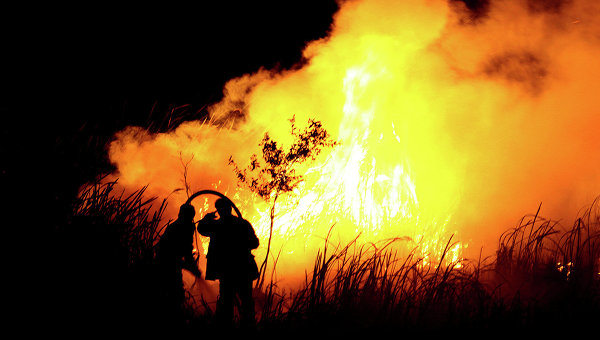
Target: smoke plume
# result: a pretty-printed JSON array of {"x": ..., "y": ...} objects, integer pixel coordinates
[{"x": 473, "y": 112}]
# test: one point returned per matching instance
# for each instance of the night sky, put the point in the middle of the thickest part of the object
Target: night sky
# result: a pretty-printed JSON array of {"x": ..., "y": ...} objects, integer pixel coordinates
[
  {"x": 73, "y": 76},
  {"x": 117, "y": 63}
]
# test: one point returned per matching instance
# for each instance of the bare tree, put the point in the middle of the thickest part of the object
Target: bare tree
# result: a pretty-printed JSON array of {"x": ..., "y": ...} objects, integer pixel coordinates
[{"x": 186, "y": 166}]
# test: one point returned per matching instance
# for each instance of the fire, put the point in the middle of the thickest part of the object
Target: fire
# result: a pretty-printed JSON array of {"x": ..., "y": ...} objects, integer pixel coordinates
[
  {"x": 445, "y": 128},
  {"x": 359, "y": 188}
]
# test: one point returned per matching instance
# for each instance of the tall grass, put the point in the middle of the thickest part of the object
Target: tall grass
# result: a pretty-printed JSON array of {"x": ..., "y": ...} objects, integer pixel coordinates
[
  {"x": 551, "y": 270},
  {"x": 542, "y": 275},
  {"x": 102, "y": 259},
  {"x": 371, "y": 286},
  {"x": 133, "y": 221}
]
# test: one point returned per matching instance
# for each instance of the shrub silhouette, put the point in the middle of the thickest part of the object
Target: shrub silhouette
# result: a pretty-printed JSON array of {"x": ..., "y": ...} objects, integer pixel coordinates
[{"x": 275, "y": 173}]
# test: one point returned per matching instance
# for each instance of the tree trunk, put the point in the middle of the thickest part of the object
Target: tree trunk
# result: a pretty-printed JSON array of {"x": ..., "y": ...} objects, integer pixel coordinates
[{"x": 263, "y": 266}]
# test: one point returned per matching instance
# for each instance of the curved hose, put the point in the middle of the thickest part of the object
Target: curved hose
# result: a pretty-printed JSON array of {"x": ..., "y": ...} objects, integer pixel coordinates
[{"x": 214, "y": 192}]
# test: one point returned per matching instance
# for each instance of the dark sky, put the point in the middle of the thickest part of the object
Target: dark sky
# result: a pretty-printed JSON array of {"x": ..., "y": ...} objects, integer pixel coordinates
[
  {"x": 114, "y": 62},
  {"x": 72, "y": 76},
  {"x": 110, "y": 63}
]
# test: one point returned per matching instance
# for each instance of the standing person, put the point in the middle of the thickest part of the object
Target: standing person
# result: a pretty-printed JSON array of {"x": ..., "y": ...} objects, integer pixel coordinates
[
  {"x": 174, "y": 253},
  {"x": 229, "y": 260}
]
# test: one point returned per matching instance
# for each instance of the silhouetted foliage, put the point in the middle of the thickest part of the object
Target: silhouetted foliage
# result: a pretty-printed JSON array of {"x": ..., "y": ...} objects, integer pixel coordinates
[
  {"x": 131, "y": 217},
  {"x": 544, "y": 276},
  {"x": 275, "y": 173}
]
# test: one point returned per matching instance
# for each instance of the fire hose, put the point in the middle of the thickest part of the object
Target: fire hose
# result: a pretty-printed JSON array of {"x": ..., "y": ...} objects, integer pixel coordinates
[{"x": 214, "y": 192}]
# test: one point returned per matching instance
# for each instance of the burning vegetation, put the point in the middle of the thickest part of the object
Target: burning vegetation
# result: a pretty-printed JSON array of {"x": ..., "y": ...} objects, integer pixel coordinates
[
  {"x": 543, "y": 274},
  {"x": 432, "y": 126}
]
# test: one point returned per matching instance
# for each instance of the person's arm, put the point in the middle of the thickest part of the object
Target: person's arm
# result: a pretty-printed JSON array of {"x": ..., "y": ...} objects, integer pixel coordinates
[
  {"x": 191, "y": 265},
  {"x": 207, "y": 225},
  {"x": 189, "y": 261}
]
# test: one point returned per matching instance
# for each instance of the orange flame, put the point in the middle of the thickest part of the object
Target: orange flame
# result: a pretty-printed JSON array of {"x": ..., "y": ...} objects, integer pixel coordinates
[{"x": 445, "y": 127}]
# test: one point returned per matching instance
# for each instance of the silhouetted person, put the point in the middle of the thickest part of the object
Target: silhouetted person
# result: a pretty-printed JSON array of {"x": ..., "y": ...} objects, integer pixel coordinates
[
  {"x": 174, "y": 253},
  {"x": 229, "y": 260}
]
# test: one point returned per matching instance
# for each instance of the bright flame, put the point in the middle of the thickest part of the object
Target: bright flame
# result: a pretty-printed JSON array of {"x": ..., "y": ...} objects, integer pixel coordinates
[{"x": 447, "y": 126}]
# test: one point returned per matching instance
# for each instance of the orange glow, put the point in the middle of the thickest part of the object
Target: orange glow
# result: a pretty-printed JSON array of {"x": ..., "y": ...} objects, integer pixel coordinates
[{"x": 445, "y": 128}]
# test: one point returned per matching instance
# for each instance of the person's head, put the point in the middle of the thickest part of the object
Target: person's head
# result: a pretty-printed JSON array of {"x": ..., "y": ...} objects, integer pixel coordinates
[
  {"x": 223, "y": 207},
  {"x": 187, "y": 212}
]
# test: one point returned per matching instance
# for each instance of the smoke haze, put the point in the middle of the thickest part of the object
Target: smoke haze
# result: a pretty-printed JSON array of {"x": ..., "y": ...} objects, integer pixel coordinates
[{"x": 488, "y": 108}]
